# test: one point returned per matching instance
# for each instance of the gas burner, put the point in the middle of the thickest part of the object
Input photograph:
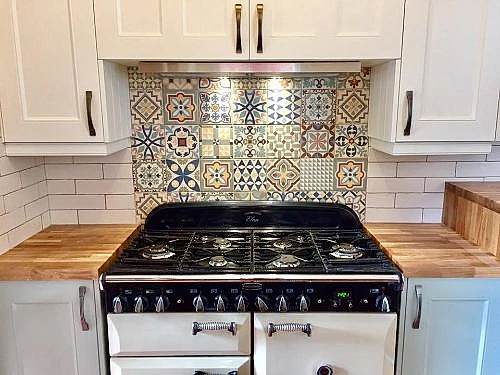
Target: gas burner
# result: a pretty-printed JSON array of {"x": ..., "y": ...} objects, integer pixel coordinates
[
  {"x": 217, "y": 261},
  {"x": 286, "y": 261},
  {"x": 282, "y": 243},
  {"x": 217, "y": 242},
  {"x": 346, "y": 251},
  {"x": 159, "y": 251}
]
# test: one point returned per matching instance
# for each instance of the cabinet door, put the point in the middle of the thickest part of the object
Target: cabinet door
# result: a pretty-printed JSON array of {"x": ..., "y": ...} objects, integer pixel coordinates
[
  {"x": 459, "y": 331},
  {"x": 327, "y": 29},
  {"x": 41, "y": 332},
  {"x": 170, "y": 29},
  {"x": 450, "y": 62},
  {"x": 49, "y": 61}
]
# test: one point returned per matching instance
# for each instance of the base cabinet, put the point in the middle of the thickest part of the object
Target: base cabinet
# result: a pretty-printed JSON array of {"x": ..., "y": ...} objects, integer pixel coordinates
[
  {"x": 452, "y": 327},
  {"x": 41, "y": 330}
]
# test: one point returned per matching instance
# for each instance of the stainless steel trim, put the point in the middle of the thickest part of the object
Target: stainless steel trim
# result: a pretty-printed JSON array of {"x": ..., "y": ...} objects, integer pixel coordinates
[{"x": 258, "y": 68}]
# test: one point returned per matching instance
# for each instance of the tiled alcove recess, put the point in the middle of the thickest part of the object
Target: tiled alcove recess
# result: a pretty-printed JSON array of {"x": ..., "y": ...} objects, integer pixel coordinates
[{"x": 248, "y": 138}]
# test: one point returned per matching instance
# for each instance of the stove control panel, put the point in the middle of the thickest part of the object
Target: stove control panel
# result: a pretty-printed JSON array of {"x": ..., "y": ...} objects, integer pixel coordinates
[{"x": 270, "y": 296}]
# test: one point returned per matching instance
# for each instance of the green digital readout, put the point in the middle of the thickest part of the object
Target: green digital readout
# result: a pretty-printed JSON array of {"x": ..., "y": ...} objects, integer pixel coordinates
[{"x": 343, "y": 294}]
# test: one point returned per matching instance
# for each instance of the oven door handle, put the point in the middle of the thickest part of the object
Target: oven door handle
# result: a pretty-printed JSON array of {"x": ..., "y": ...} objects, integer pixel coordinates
[
  {"x": 289, "y": 327},
  {"x": 212, "y": 373},
  {"x": 214, "y": 326}
]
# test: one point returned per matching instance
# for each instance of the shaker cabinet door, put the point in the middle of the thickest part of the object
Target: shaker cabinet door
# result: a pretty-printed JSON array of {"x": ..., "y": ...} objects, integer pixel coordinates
[{"x": 171, "y": 29}]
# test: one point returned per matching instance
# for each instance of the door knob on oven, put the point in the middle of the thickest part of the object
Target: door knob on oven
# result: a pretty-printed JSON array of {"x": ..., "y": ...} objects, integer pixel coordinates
[
  {"x": 161, "y": 303},
  {"x": 140, "y": 304},
  {"x": 303, "y": 303},
  {"x": 119, "y": 304},
  {"x": 262, "y": 303},
  {"x": 220, "y": 303},
  {"x": 199, "y": 303},
  {"x": 241, "y": 303},
  {"x": 282, "y": 303}
]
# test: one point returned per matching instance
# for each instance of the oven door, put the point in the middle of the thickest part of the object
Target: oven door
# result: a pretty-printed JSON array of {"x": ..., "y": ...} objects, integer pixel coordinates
[
  {"x": 180, "y": 366},
  {"x": 347, "y": 343}
]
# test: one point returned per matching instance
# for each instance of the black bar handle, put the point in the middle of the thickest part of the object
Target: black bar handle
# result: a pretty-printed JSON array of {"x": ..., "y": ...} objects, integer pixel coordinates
[
  {"x": 409, "y": 98},
  {"x": 237, "y": 9},
  {"x": 260, "y": 14},
  {"x": 88, "y": 97}
]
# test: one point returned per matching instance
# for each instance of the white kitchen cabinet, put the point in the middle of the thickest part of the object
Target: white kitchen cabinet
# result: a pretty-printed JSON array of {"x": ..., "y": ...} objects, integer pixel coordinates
[
  {"x": 449, "y": 65},
  {"x": 459, "y": 328},
  {"x": 49, "y": 68},
  {"x": 41, "y": 332},
  {"x": 207, "y": 30}
]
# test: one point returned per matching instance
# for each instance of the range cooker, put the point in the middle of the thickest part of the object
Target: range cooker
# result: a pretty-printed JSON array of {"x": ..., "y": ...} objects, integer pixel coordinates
[{"x": 265, "y": 288}]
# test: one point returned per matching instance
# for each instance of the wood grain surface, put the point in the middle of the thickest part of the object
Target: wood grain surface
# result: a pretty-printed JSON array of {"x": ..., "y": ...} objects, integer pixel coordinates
[
  {"x": 61, "y": 252},
  {"x": 433, "y": 250}
]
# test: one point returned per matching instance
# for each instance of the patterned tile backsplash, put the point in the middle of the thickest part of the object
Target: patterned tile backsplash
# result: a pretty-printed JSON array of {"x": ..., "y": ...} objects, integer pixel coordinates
[{"x": 247, "y": 138}]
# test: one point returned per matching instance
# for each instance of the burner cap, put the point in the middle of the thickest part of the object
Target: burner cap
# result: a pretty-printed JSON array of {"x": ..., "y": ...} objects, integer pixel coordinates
[
  {"x": 160, "y": 251},
  {"x": 286, "y": 261},
  {"x": 282, "y": 243},
  {"x": 221, "y": 243},
  {"x": 217, "y": 261},
  {"x": 346, "y": 251}
]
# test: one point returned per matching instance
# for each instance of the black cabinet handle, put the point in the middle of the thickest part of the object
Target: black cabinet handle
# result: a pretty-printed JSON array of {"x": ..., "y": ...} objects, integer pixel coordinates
[
  {"x": 88, "y": 97},
  {"x": 409, "y": 98},
  {"x": 83, "y": 321},
  {"x": 237, "y": 9},
  {"x": 260, "y": 14},
  {"x": 419, "y": 291}
]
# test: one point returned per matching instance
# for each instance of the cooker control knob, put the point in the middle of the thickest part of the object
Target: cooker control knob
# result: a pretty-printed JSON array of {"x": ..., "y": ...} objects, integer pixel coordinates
[
  {"x": 119, "y": 304},
  {"x": 336, "y": 303},
  {"x": 350, "y": 305},
  {"x": 325, "y": 370},
  {"x": 303, "y": 302},
  {"x": 140, "y": 304},
  {"x": 282, "y": 303},
  {"x": 161, "y": 303},
  {"x": 220, "y": 303},
  {"x": 199, "y": 303},
  {"x": 262, "y": 303},
  {"x": 383, "y": 303},
  {"x": 241, "y": 303}
]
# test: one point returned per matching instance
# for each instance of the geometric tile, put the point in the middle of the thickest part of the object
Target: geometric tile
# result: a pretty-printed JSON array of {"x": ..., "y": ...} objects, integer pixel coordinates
[
  {"x": 249, "y": 175},
  {"x": 359, "y": 80},
  {"x": 142, "y": 81},
  {"x": 250, "y": 195},
  {"x": 182, "y": 141},
  {"x": 320, "y": 83},
  {"x": 351, "y": 140},
  {"x": 214, "y": 84},
  {"x": 353, "y": 199},
  {"x": 284, "y": 107},
  {"x": 249, "y": 84},
  {"x": 249, "y": 141},
  {"x": 183, "y": 197},
  {"x": 283, "y": 141},
  {"x": 215, "y": 107},
  {"x": 317, "y": 141},
  {"x": 216, "y": 141},
  {"x": 283, "y": 175},
  {"x": 216, "y": 175},
  {"x": 170, "y": 83},
  {"x": 210, "y": 196},
  {"x": 284, "y": 83},
  {"x": 148, "y": 142},
  {"x": 317, "y": 174},
  {"x": 318, "y": 106},
  {"x": 352, "y": 106},
  {"x": 282, "y": 196},
  {"x": 350, "y": 174},
  {"x": 249, "y": 107},
  {"x": 146, "y": 107},
  {"x": 149, "y": 175},
  {"x": 315, "y": 196},
  {"x": 183, "y": 175},
  {"x": 145, "y": 202},
  {"x": 180, "y": 107}
]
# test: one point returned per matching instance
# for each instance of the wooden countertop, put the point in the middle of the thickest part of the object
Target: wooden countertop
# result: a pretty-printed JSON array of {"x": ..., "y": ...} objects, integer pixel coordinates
[
  {"x": 433, "y": 250},
  {"x": 79, "y": 252},
  {"x": 486, "y": 194}
]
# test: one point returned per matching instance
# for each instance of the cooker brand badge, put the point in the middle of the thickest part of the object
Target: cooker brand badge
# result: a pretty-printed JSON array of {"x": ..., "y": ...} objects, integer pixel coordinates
[{"x": 252, "y": 219}]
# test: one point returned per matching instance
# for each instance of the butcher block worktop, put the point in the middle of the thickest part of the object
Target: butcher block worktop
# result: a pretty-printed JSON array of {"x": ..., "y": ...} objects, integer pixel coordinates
[
  {"x": 433, "y": 250},
  {"x": 66, "y": 252},
  {"x": 486, "y": 194}
]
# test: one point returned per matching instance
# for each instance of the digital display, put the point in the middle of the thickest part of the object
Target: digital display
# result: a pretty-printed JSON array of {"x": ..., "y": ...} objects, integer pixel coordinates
[{"x": 343, "y": 294}]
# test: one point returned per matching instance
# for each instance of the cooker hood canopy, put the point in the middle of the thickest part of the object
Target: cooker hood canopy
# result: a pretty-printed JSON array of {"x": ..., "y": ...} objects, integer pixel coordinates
[{"x": 254, "y": 68}]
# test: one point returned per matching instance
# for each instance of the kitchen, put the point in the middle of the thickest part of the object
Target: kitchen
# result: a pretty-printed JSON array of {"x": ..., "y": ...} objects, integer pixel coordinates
[{"x": 72, "y": 182}]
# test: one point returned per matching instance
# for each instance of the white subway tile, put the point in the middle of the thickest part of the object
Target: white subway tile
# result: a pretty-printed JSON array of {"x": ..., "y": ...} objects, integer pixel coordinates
[
  {"x": 18, "y": 163},
  {"x": 378, "y": 156},
  {"x": 437, "y": 169},
  {"x": 432, "y": 215},
  {"x": 24, "y": 231},
  {"x": 11, "y": 220},
  {"x": 117, "y": 170},
  {"x": 419, "y": 200},
  {"x": 61, "y": 186},
  {"x": 32, "y": 175},
  {"x": 21, "y": 197},
  {"x": 382, "y": 169},
  {"x": 46, "y": 220},
  {"x": 472, "y": 169},
  {"x": 4, "y": 242},
  {"x": 64, "y": 216},
  {"x": 73, "y": 171},
  {"x": 381, "y": 200},
  {"x": 106, "y": 216},
  {"x": 36, "y": 208},
  {"x": 2, "y": 205},
  {"x": 394, "y": 185},
  {"x": 494, "y": 155},
  {"x": 123, "y": 156},
  {"x": 73, "y": 202},
  {"x": 58, "y": 160},
  {"x": 42, "y": 188},
  {"x": 10, "y": 183},
  {"x": 436, "y": 184},
  {"x": 120, "y": 202},
  {"x": 118, "y": 186},
  {"x": 476, "y": 157},
  {"x": 2, "y": 145},
  {"x": 394, "y": 215}
]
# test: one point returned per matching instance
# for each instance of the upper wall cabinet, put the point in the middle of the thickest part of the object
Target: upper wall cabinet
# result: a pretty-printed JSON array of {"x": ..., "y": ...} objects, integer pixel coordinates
[
  {"x": 265, "y": 29},
  {"x": 442, "y": 97},
  {"x": 56, "y": 98}
]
